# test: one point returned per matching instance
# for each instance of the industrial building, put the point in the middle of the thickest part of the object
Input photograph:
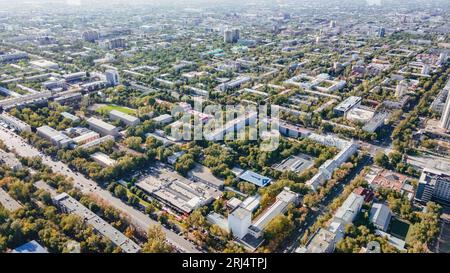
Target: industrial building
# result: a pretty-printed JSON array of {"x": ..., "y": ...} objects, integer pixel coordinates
[
  {"x": 102, "y": 127},
  {"x": 295, "y": 163},
  {"x": 68, "y": 204},
  {"x": 204, "y": 175},
  {"x": 178, "y": 193}
]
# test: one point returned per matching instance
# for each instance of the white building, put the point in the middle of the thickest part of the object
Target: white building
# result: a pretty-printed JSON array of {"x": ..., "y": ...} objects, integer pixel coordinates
[
  {"x": 323, "y": 241},
  {"x": 326, "y": 170},
  {"x": 445, "y": 118},
  {"x": 347, "y": 213},
  {"x": 57, "y": 138},
  {"x": 163, "y": 119},
  {"x": 15, "y": 123},
  {"x": 102, "y": 127},
  {"x": 112, "y": 77},
  {"x": 380, "y": 216},
  {"x": 103, "y": 159},
  {"x": 239, "y": 221},
  {"x": 283, "y": 200},
  {"x": 125, "y": 118}
]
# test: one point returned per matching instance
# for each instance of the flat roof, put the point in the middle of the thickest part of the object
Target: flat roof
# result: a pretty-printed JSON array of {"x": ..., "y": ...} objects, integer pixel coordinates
[
  {"x": 101, "y": 123},
  {"x": 348, "y": 103},
  {"x": 205, "y": 174},
  {"x": 255, "y": 178},
  {"x": 104, "y": 228},
  {"x": 8, "y": 202},
  {"x": 30, "y": 247},
  {"x": 124, "y": 116},
  {"x": 295, "y": 163}
]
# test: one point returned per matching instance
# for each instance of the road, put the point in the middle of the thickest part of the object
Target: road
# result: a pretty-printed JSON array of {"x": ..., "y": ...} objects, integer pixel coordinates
[
  {"x": 321, "y": 209},
  {"x": 87, "y": 186}
]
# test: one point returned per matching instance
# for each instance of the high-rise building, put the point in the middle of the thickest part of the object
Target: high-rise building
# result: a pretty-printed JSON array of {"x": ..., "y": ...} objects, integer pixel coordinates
[
  {"x": 91, "y": 36},
  {"x": 332, "y": 24},
  {"x": 443, "y": 57},
  {"x": 401, "y": 89},
  {"x": 112, "y": 77},
  {"x": 433, "y": 185},
  {"x": 445, "y": 118},
  {"x": 231, "y": 36},
  {"x": 228, "y": 36},
  {"x": 236, "y": 35},
  {"x": 381, "y": 32}
]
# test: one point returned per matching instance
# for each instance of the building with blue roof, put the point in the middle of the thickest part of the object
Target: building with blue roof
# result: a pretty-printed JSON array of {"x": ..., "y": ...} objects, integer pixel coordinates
[
  {"x": 30, "y": 247},
  {"x": 254, "y": 178}
]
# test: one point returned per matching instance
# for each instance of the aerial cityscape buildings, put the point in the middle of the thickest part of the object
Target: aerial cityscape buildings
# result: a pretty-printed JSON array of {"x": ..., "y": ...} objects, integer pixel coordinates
[{"x": 206, "y": 126}]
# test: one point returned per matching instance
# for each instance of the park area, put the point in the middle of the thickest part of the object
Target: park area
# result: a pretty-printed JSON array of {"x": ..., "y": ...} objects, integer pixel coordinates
[{"x": 106, "y": 108}]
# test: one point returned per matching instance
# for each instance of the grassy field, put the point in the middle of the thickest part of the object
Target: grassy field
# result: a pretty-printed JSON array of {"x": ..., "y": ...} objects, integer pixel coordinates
[{"x": 110, "y": 107}]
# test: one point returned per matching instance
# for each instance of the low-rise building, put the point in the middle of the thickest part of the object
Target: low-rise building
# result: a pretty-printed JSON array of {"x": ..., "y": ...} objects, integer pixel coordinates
[
  {"x": 70, "y": 116},
  {"x": 30, "y": 247},
  {"x": 125, "y": 118},
  {"x": 97, "y": 142},
  {"x": 10, "y": 160},
  {"x": 102, "y": 127},
  {"x": 347, "y": 213},
  {"x": 68, "y": 99},
  {"x": 68, "y": 204},
  {"x": 380, "y": 216},
  {"x": 8, "y": 202},
  {"x": 344, "y": 107},
  {"x": 55, "y": 137},
  {"x": 283, "y": 200},
  {"x": 254, "y": 178},
  {"x": 103, "y": 159},
  {"x": 163, "y": 119},
  {"x": 323, "y": 241},
  {"x": 15, "y": 123},
  {"x": 86, "y": 138}
]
